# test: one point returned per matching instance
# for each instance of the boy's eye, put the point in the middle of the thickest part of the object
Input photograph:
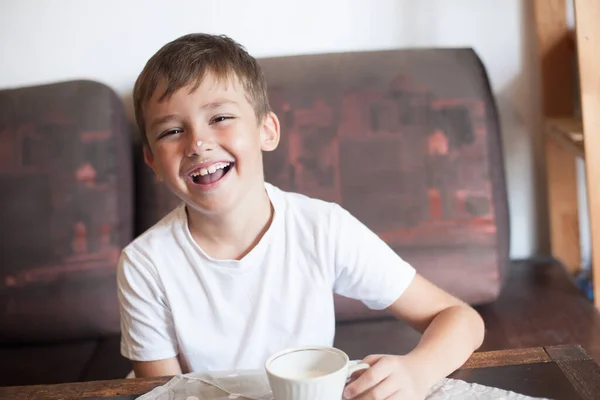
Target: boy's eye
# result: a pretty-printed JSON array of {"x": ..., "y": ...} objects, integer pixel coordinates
[
  {"x": 220, "y": 118},
  {"x": 170, "y": 132}
]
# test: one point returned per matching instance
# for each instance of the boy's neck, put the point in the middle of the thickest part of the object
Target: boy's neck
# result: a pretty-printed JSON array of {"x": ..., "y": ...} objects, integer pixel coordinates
[{"x": 235, "y": 234}]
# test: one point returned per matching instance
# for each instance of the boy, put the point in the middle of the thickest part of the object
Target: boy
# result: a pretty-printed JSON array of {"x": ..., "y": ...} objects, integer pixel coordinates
[{"x": 242, "y": 269}]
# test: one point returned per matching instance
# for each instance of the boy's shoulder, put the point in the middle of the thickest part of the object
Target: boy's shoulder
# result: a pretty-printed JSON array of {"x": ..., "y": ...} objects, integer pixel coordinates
[
  {"x": 300, "y": 204},
  {"x": 308, "y": 213},
  {"x": 161, "y": 233}
]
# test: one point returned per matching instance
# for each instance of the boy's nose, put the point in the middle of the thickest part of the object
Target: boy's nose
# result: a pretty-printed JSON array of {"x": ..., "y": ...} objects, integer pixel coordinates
[{"x": 198, "y": 145}]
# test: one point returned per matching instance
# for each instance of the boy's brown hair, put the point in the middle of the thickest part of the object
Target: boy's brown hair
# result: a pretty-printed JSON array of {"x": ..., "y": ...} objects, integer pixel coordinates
[{"x": 187, "y": 59}]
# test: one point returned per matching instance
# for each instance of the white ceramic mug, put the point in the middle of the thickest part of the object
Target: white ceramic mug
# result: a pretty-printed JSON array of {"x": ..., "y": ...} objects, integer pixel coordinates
[{"x": 310, "y": 373}]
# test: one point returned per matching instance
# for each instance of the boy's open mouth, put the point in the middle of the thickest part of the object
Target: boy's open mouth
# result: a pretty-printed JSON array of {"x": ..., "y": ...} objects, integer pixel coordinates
[{"x": 210, "y": 174}]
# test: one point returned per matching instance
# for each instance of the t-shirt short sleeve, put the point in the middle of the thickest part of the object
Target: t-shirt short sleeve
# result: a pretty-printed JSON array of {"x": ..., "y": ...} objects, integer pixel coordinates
[
  {"x": 147, "y": 331},
  {"x": 366, "y": 268}
]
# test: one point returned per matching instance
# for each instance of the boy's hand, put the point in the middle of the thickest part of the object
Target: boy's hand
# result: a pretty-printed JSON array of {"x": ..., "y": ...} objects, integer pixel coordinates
[{"x": 390, "y": 377}]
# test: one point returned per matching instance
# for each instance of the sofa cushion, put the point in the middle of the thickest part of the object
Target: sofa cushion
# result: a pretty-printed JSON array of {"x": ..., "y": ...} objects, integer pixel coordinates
[
  {"x": 65, "y": 209},
  {"x": 40, "y": 364},
  {"x": 71, "y": 361},
  {"x": 107, "y": 361}
]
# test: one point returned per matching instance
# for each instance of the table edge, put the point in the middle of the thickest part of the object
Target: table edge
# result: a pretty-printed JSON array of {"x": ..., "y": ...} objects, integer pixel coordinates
[
  {"x": 502, "y": 358},
  {"x": 569, "y": 354},
  {"x": 579, "y": 368}
]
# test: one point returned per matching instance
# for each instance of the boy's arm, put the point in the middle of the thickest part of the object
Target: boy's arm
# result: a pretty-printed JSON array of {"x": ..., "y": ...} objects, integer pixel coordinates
[
  {"x": 368, "y": 269},
  {"x": 451, "y": 329},
  {"x": 148, "y": 336},
  {"x": 146, "y": 369}
]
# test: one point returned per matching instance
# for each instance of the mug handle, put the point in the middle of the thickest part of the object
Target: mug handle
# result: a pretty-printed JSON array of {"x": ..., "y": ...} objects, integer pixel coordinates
[{"x": 356, "y": 365}]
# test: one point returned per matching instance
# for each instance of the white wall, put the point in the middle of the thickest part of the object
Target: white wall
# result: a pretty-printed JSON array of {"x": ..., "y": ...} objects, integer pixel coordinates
[{"x": 110, "y": 40}]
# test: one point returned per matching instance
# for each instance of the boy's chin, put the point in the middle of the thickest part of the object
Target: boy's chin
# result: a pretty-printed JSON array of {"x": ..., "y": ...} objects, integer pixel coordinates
[
  {"x": 218, "y": 202},
  {"x": 209, "y": 207}
]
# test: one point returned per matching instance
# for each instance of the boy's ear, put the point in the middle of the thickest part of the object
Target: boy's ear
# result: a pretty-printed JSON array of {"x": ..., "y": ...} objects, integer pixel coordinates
[
  {"x": 270, "y": 132},
  {"x": 149, "y": 159}
]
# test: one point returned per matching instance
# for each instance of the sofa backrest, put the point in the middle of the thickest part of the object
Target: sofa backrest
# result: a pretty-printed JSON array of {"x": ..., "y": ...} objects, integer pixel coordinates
[
  {"x": 65, "y": 210},
  {"x": 406, "y": 140}
]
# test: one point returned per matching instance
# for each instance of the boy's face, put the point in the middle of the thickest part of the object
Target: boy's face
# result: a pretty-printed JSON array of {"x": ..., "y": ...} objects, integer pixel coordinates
[{"x": 207, "y": 145}]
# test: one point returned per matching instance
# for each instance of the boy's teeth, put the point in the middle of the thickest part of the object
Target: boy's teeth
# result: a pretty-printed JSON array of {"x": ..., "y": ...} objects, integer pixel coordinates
[{"x": 210, "y": 170}]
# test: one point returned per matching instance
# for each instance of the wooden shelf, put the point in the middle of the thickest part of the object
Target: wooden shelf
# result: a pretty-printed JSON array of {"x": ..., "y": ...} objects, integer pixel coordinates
[
  {"x": 565, "y": 53},
  {"x": 568, "y": 132}
]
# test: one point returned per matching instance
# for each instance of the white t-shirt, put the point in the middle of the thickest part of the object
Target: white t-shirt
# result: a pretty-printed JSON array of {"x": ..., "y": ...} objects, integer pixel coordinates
[{"x": 233, "y": 314}]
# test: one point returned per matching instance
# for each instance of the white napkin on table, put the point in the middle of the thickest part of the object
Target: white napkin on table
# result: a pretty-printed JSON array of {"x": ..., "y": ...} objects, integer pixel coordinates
[{"x": 254, "y": 385}]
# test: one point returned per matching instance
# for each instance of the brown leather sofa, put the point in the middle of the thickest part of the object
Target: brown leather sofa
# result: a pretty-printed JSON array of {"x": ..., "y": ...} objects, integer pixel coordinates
[{"x": 406, "y": 140}]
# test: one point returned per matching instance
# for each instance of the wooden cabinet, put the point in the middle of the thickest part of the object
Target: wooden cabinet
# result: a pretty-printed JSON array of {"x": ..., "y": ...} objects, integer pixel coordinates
[{"x": 569, "y": 62}]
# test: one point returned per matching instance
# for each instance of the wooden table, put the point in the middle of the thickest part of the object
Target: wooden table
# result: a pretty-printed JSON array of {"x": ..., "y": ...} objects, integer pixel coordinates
[{"x": 556, "y": 372}]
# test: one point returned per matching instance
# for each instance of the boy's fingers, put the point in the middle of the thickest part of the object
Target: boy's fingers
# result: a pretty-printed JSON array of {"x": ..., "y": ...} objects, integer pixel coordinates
[
  {"x": 384, "y": 390},
  {"x": 368, "y": 379},
  {"x": 396, "y": 396},
  {"x": 373, "y": 358}
]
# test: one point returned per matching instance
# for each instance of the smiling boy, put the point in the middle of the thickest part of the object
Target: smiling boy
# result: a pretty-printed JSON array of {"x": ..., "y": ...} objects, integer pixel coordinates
[{"x": 242, "y": 269}]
